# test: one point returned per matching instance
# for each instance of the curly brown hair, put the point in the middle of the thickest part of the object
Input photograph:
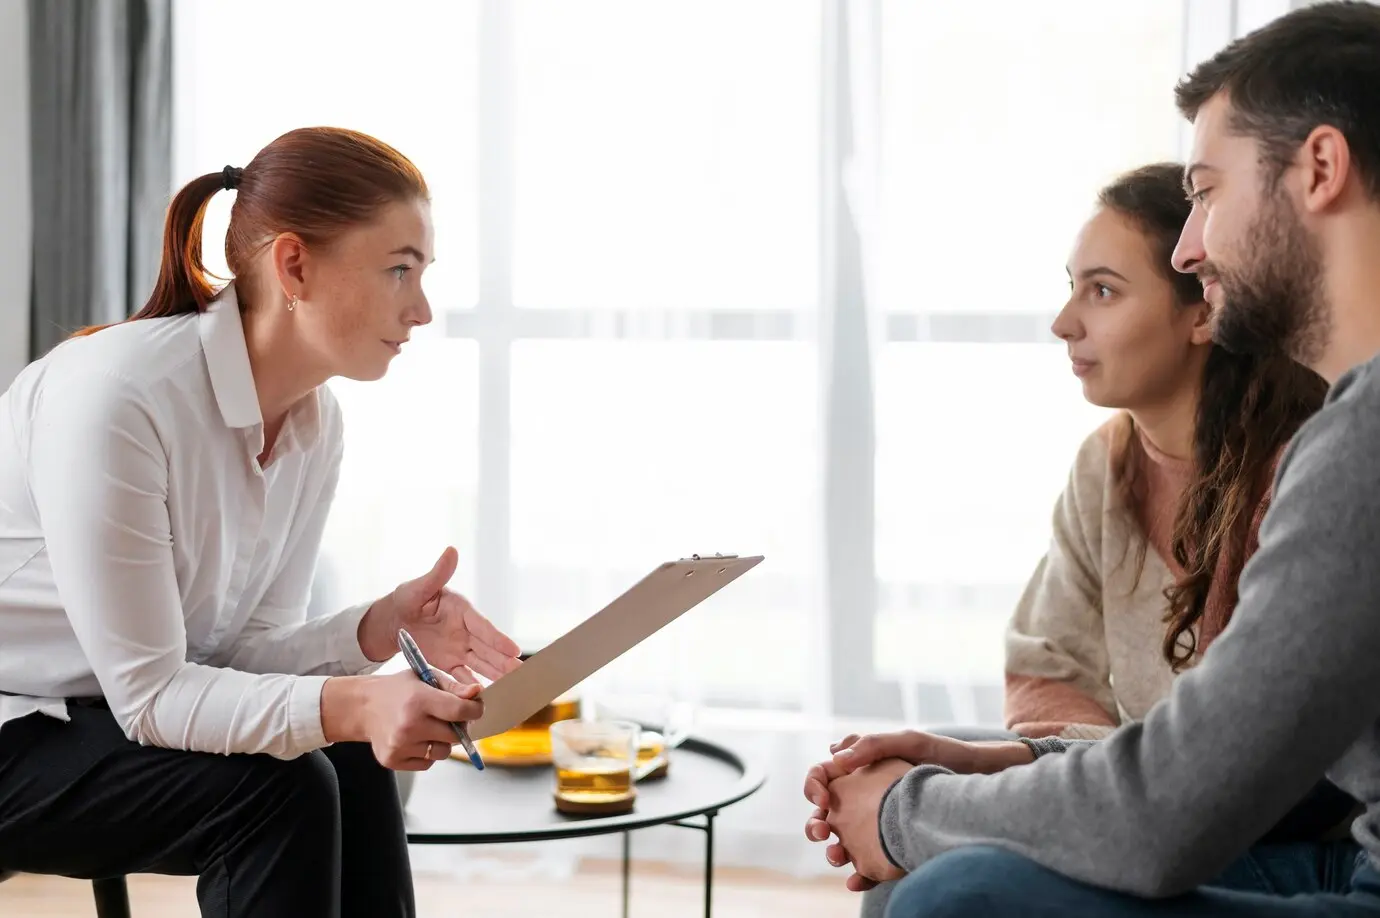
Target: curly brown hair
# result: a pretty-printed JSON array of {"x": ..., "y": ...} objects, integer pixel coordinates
[{"x": 1249, "y": 407}]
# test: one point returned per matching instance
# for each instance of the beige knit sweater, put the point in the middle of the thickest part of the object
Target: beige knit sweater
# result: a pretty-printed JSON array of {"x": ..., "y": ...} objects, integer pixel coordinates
[{"x": 1083, "y": 649}]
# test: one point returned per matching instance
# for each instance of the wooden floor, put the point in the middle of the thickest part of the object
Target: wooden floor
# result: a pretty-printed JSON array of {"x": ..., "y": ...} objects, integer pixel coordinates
[{"x": 663, "y": 892}]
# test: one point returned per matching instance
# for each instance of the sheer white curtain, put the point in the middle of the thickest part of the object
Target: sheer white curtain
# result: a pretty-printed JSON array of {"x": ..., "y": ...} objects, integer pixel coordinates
[{"x": 726, "y": 275}]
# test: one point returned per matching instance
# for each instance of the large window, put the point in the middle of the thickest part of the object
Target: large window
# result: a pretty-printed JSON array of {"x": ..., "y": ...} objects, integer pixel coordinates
[{"x": 636, "y": 353}]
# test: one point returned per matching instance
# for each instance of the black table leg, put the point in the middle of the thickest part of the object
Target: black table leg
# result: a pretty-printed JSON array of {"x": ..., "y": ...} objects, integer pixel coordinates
[
  {"x": 627, "y": 869},
  {"x": 707, "y": 827},
  {"x": 708, "y": 863}
]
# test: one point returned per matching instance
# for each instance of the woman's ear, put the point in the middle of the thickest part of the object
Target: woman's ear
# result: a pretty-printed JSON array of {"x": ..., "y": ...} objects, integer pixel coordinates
[
  {"x": 289, "y": 265},
  {"x": 1202, "y": 324}
]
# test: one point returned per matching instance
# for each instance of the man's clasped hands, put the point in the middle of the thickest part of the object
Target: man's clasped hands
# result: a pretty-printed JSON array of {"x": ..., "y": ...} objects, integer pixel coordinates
[{"x": 848, "y": 789}]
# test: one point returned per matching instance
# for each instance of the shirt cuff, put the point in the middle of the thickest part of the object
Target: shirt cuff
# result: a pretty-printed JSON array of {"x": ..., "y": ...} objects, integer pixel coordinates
[
  {"x": 304, "y": 714},
  {"x": 344, "y": 641}
]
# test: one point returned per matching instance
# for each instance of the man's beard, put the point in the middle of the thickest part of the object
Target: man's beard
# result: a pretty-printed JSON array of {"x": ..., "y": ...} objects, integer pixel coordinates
[{"x": 1273, "y": 303}]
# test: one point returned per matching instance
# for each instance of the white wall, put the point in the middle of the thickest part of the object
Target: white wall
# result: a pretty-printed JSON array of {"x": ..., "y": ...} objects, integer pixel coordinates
[{"x": 15, "y": 252}]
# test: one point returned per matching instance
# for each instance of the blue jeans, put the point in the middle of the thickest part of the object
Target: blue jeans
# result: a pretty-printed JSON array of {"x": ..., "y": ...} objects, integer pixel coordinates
[
  {"x": 1306, "y": 880},
  {"x": 1301, "y": 868}
]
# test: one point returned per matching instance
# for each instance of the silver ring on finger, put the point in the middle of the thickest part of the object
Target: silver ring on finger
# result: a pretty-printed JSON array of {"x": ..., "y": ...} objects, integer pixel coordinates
[{"x": 428, "y": 750}]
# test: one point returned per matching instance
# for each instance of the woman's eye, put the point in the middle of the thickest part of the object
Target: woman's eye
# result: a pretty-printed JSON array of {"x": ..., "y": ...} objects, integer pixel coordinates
[
  {"x": 1102, "y": 291},
  {"x": 400, "y": 271}
]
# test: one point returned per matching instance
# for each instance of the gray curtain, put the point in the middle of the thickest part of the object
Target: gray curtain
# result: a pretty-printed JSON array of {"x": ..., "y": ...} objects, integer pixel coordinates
[{"x": 101, "y": 141}]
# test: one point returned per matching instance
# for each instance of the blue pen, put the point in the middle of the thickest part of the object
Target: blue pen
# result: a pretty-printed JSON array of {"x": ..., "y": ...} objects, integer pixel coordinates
[{"x": 413, "y": 653}]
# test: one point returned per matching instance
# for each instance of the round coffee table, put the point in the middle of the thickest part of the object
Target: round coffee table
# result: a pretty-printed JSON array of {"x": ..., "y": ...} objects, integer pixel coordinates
[{"x": 453, "y": 804}]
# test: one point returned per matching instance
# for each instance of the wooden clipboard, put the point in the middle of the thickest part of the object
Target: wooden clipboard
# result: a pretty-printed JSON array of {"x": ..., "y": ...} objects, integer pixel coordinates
[{"x": 669, "y": 591}]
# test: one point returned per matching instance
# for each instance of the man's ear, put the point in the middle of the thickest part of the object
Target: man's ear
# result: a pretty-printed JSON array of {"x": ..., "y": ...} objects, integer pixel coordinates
[{"x": 1325, "y": 160}]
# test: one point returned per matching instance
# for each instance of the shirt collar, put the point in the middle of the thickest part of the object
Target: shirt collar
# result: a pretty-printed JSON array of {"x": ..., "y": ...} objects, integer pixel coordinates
[
  {"x": 227, "y": 360},
  {"x": 232, "y": 379}
]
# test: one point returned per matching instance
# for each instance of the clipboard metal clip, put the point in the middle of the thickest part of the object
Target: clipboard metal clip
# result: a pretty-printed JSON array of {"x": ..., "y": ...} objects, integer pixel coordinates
[{"x": 714, "y": 557}]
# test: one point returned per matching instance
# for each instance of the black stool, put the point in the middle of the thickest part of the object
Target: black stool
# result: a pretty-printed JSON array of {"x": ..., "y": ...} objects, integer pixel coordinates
[{"x": 112, "y": 896}]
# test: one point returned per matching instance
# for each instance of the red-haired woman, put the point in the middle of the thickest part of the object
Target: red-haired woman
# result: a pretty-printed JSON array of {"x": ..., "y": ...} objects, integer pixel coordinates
[{"x": 166, "y": 706}]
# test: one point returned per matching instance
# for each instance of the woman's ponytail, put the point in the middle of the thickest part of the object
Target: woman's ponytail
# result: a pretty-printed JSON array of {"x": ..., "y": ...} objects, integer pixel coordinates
[{"x": 182, "y": 283}]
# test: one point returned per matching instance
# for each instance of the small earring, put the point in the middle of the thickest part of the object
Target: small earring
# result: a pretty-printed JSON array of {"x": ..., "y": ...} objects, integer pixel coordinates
[{"x": 292, "y": 304}]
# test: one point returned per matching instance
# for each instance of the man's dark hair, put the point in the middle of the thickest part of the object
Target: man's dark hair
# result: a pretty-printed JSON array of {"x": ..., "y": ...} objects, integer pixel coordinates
[{"x": 1314, "y": 66}]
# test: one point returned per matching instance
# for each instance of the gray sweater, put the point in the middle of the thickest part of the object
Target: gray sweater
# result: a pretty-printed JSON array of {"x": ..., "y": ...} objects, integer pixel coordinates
[{"x": 1288, "y": 693}]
